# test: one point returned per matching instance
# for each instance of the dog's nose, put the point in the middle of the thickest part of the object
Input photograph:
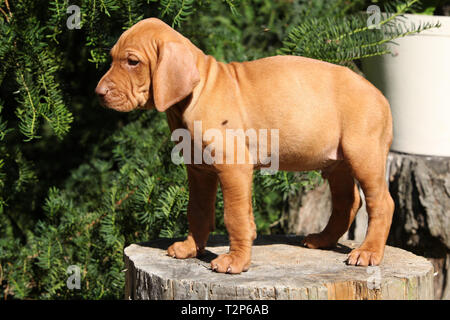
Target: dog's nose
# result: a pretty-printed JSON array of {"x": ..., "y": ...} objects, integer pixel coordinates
[{"x": 101, "y": 90}]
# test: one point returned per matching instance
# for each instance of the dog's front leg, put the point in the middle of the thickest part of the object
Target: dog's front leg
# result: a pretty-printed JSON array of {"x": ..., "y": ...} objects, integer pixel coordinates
[
  {"x": 236, "y": 184},
  {"x": 200, "y": 213}
]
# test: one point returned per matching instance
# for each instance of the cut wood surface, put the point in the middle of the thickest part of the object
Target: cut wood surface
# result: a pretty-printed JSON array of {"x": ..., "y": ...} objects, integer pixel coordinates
[{"x": 281, "y": 269}]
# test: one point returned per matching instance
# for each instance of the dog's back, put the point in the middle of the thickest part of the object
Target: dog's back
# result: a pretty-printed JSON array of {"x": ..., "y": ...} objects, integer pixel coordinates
[{"x": 313, "y": 103}]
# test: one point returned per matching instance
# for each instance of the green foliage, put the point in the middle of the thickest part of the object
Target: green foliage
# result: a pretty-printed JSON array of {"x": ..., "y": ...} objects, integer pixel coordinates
[
  {"x": 344, "y": 39},
  {"x": 26, "y": 54},
  {"x": 77, "y": 182},
  {"x": 427, "y": 7}
]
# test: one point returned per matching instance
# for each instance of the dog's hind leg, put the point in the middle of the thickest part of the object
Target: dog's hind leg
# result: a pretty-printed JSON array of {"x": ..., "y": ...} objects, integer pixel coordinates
[
  {"x": 369, "y": 169},
  {"x": 346, "y": 202},
  {"x": 200, "y": 213}
]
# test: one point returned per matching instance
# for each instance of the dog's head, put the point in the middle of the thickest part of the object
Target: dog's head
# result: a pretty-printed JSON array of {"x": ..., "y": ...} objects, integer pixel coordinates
[{"x": 152, "y": 66}]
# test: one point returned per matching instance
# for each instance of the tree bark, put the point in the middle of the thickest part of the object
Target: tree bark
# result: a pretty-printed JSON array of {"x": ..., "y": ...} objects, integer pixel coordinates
[{"x": 420, "y": 187}]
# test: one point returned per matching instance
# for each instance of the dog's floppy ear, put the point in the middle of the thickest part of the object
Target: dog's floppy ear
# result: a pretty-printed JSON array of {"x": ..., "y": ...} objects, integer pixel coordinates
[{"x": 175, "y": 75}]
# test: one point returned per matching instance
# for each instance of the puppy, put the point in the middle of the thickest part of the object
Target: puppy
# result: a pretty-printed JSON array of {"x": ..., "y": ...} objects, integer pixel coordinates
[{"x": 326, "y": 117}]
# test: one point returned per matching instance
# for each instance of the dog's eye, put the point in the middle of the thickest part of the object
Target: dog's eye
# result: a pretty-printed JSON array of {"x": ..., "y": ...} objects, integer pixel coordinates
[{"x": 133, "y": 62}]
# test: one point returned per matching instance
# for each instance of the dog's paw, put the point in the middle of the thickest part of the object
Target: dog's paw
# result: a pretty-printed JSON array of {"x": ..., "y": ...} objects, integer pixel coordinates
[
  {"x": 230, "y": 263},
  {"x": 364, "y": 257},
  {"x": 318, "y": 241},
  {"x": 182, "y": 250}
]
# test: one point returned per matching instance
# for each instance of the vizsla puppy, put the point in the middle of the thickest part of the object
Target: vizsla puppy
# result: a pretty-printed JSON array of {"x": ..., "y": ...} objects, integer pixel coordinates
[{"x": 328, "y": 118}]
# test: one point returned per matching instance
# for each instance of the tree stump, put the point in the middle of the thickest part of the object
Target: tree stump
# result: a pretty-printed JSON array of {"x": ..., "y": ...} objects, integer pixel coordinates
[
  {"x": 420, "y": 187},
  {"x": 281, "y": 269}
]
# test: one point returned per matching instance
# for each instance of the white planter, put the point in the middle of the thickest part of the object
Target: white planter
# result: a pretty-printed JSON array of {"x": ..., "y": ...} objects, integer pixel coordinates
[{"x": 416, "y": 81}]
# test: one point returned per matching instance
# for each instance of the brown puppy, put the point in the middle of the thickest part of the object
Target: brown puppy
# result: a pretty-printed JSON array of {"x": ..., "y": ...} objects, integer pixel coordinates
[{"x": 327, "y": 116}]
